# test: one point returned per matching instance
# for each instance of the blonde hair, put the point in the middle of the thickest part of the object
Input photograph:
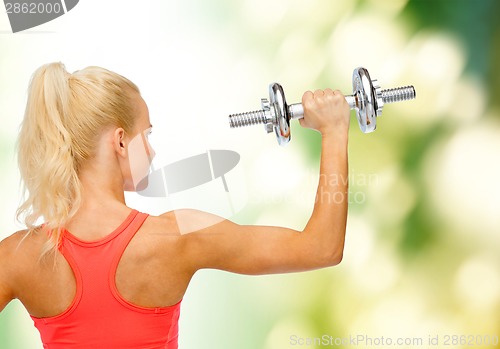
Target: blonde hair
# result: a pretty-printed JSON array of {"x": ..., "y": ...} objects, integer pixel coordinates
[{"x": 64, "y": 116}]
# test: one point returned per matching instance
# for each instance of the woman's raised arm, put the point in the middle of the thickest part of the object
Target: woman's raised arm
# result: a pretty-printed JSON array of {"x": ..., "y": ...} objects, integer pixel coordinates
[{"x": 224, "y": 245}]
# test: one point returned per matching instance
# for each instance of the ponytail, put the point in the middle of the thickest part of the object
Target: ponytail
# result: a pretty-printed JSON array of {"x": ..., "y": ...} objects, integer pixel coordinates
[{"x": 64, "y": 113}]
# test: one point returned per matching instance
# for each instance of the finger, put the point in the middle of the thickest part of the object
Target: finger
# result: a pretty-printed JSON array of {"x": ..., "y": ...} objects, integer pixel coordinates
[
  {"x": 319, "y": 93},
  {"x": 329, "y": 92},
  {"x": 307, "y": 96}
]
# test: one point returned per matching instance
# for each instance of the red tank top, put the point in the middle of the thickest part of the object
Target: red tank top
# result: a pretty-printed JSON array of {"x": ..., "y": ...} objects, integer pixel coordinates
[{"x": 99, "y": 317}]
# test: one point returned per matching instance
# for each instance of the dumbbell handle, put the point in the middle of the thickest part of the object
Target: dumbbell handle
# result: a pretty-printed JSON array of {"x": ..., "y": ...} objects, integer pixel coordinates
[
  {"x": 297, "y": 110},
  {"x": 388, "y": 96}
]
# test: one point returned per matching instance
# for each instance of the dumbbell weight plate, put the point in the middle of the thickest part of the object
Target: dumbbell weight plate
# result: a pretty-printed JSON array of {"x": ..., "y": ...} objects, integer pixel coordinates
[
  {"x": 280, "y": 109},
  {"x": 366, "y": 101}
]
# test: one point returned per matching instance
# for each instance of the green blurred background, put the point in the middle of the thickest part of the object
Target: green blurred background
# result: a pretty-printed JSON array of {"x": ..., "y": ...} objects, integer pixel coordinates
[{"x": 423, "y": 238}]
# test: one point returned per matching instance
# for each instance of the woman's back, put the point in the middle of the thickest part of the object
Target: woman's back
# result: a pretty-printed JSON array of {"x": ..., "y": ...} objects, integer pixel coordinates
[{"x": 76, "y": 287}]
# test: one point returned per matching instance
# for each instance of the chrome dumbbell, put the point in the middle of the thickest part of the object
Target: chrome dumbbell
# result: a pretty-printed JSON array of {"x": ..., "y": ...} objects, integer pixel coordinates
[{"x": 367, "y": 99}]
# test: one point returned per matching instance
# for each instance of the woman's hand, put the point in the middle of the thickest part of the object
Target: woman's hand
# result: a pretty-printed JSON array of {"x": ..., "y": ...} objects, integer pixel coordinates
[{"x": 326, "y": 111}]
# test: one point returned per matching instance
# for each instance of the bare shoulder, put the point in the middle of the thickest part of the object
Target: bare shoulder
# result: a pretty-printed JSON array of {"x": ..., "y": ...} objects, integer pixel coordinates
[
  {"x": 164, "y": 239},
  {"x": 183, "y": 233},
  {"x": 163, "y": 224},
  {"x": 179, "y": 232},
  {"x": 176, "y": 224},
  {"x": 10, "y": 244},
  {"x": 190, "y": 220},
  {"x": 19, "y": 245},
  {"x": 9, "y": 265}
]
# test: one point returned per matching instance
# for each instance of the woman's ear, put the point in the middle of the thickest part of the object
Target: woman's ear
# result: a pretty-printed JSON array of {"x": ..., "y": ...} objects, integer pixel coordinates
[{"x": 119, "y": 142}]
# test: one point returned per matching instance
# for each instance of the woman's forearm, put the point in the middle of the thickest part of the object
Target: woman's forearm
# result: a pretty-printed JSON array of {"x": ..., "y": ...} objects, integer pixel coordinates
[{"x": 326, "y": 227}]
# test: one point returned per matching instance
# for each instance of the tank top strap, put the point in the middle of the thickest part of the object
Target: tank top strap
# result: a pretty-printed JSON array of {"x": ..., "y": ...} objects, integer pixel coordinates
[{"x": 121, "y": 242}]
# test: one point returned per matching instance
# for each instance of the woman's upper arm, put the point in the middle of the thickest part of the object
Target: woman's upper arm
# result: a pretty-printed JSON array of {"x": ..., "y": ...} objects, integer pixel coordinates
[
  {"x": 5, "y": 298},
  {"x": 5, "y": 291},
  {"x": 213, "y": 242}
]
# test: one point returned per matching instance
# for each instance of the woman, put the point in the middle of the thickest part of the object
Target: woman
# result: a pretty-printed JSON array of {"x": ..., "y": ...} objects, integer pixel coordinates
[{"x": 98, "y": 274}]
